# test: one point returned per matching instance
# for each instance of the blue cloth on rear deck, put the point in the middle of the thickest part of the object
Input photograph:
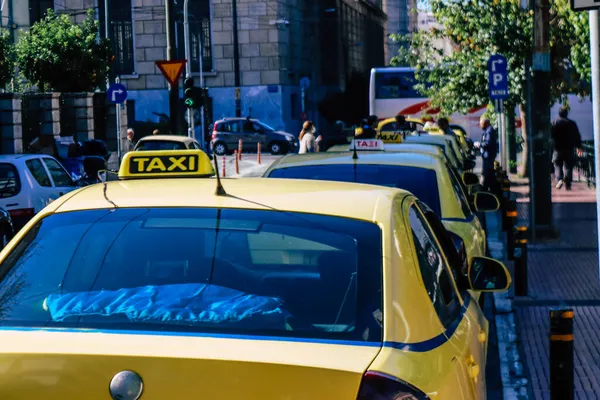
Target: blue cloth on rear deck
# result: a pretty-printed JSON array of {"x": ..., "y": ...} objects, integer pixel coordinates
[{"x": 183, "y": 303}]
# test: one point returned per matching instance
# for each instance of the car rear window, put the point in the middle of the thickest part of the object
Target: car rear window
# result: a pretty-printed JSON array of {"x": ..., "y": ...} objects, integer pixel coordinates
[
  {"x": 421, "y": 182},
  {"x": 160, "y": 145},
  {"x": 10, "y": 184},
  {"x": 205, "y": 270}
]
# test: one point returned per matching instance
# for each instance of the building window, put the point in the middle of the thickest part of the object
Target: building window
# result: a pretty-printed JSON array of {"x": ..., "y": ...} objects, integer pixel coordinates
[
  {"x": 199, "y": 19},
  {"x": 38, "y": 10},
  {"x": 120, "y": 34}
]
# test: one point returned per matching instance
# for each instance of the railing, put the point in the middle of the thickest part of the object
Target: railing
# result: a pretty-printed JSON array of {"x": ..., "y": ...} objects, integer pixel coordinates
[{"x": 585, "y": 164}]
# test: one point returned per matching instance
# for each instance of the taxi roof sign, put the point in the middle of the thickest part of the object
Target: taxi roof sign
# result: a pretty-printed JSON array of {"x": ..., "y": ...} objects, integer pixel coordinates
[
  {"x": 166, "y": 164},
  {"x": 367, "y": 144}
]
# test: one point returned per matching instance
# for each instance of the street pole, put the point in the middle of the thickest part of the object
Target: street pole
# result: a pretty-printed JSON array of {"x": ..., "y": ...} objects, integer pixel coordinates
[
  {"x": 201, "y": 64},
  {"x": 172, "y": 55},
  {"x": 503, "y": 141},
  {"x": 188, "y": 64},
  {"x": 106, "y": 35},
  {"x": 118, "y": 109},
  {"x": 595, "y": 56},
  {"x": 236, "y": 61},
  {"x": 540, "y": 118}
]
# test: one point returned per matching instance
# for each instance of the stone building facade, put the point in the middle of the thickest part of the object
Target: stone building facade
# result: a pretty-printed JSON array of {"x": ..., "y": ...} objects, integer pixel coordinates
[{"x": 280, "y": 42}]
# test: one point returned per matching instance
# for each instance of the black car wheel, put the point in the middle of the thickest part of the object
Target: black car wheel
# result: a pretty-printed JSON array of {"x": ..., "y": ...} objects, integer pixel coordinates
[
  {"x": 220, "y": 148},
  {"x": 277, "y": 148}
]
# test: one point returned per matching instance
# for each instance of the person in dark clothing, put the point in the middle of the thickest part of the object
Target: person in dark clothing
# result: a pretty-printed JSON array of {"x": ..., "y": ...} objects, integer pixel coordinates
[
  {"x": 444, "y": 125},
  {"x": 565, "y": 139},
  {"x": 489, "y": 150}
]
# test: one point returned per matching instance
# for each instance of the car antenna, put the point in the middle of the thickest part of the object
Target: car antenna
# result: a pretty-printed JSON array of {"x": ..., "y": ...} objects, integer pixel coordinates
[
  {"x": 220, "y": 189},
  {"x": 102, "y": 176},
  {"x": 354, "y": 153}
]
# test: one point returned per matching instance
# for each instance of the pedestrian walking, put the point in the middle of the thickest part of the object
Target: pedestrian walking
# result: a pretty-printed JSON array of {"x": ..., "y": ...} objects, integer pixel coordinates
[
  {"x": 566, "y": 139},
  {"x": 307, "y": 138},
  {"x": 130, "y": 141},
  {"x": 489, "y": 149}
]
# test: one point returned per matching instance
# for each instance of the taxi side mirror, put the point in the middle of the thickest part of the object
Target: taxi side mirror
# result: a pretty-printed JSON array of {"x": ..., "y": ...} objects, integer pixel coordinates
[
  {"x": 470, "y": 178},
  {"x": 488, "y": 275},
  {"x": 486, "y": 202}
]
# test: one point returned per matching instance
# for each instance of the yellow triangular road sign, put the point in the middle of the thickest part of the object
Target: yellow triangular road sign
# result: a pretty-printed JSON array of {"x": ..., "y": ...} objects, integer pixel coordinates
[{"x": 171, "y": 70}]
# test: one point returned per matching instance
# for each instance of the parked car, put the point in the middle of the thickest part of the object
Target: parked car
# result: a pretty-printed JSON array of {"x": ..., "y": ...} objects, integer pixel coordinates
[
  {"x": 167, "y": 142},
  {"x": 7, "y": 230},
  {"x": 228, "y": 132},
  {"x": 28, "y": 182}
]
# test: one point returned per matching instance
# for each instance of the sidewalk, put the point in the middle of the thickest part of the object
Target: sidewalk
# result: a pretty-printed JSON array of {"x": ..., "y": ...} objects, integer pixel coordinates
[{"x": 562, "y": 272}]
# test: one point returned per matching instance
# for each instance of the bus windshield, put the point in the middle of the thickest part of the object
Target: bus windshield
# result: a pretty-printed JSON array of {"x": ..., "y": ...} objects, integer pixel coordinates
[{"x": 396, "y": 85}]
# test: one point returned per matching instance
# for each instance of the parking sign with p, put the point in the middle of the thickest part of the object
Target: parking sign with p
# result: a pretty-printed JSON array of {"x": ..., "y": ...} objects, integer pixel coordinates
[{"x": 498, "y": 77}]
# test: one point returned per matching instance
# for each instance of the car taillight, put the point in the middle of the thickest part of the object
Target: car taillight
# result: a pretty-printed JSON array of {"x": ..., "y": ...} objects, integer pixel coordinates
[
  {"x": 22, "y": 212},
  {"x": 379, "y": 386}
]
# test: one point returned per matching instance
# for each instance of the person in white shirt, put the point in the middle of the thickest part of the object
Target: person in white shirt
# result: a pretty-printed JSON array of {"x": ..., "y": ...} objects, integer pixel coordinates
[{"x": 307, "y": 138}]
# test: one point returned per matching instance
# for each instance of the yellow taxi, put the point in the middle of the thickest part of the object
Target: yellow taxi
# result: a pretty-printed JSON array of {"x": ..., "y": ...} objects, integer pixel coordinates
[
  {"x": 427, "y": 176},
  {"x": 467, "y": 180},
  {"x": 169, "y": 284}
]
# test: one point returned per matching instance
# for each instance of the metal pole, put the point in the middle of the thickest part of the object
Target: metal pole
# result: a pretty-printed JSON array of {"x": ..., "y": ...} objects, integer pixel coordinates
[
  {"x": 595, "y": 56},
  {"x": 106, "y": 35},
  {"x": 118, "y": 109},
  {"x": 188, "y": 64},
  {"x": 236, "y": 61},
  {"x": 171, "y": 55},
  {"x": 201, "y": 62}
]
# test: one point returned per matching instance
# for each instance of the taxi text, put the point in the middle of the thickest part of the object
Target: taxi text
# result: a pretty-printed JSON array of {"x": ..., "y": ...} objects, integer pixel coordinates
[{"x": 163, "y": 164}]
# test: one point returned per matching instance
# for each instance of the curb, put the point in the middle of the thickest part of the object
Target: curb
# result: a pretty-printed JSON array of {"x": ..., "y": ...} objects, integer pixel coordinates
[{"x": 514, "y": 381}]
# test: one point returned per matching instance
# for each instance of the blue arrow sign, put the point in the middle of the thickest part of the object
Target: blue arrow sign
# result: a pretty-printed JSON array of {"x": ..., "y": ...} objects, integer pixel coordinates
[
  {"x": 498, "y": 77},
  {"x": 117, "y": 93}
]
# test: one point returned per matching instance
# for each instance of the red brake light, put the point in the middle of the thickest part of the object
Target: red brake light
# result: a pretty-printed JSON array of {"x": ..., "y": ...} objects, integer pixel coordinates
[
  {"x": 22, "y": 212},
  {"x": 379, "y": 386}
]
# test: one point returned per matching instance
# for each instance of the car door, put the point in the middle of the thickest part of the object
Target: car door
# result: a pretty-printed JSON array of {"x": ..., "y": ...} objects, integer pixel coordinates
[
  {"x": 233, "y": 134},
  {"x": 61, "y": 181},
  {"x": 251, "y": 135},
  {"x": 461, "y": 330}
]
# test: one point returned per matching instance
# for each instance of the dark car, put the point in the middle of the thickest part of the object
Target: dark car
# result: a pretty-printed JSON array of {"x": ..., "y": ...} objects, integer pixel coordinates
[
  {"x": 228, "y": 132},
  {"x": 7, "y": 230}
]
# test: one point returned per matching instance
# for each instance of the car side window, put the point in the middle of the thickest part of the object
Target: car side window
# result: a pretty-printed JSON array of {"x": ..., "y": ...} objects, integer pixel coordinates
[
  {"x": 459, "y": 193},
  {"x": 436, "y": 275},
  {"x": 59, "y": 175},
  {"x": 39, "y": 172},
  {"x": 390, "y": 126}
]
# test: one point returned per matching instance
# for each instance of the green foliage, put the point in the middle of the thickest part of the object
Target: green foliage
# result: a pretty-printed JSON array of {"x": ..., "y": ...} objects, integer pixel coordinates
[
  {"x": 7, "y": 59},
  {"x": 478, "y": 29},
  {"x": 58, "y": 55}
]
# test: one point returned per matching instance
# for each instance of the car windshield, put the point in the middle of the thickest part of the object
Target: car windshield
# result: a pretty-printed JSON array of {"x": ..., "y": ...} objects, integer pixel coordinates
[
  {"x": 265, "y": 126},
  {"x": 160, "y": 145},
  {"x": 421, "y": 182},
  {"x": 206, "y": 270}
]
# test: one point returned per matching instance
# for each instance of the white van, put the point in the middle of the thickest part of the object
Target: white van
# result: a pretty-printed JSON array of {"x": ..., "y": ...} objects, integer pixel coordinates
[{"x": 29, "y": 182}]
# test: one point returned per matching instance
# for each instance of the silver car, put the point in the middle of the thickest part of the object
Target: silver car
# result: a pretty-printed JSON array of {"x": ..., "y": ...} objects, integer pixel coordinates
[{"x": 228, "y": 132}]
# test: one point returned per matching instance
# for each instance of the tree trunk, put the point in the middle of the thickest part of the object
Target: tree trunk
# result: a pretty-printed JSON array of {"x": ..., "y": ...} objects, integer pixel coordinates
[{"x": 525, "y": 152}]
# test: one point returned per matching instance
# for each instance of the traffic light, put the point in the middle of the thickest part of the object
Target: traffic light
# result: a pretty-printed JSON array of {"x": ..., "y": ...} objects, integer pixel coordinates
[{"x": 189, "y": 93}]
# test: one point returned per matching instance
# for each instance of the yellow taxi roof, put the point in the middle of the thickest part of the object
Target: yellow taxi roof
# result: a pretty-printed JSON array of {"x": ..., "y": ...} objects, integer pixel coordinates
[
  {"x": 309, "y": 196},
  {"x": 169, "y": 138}
]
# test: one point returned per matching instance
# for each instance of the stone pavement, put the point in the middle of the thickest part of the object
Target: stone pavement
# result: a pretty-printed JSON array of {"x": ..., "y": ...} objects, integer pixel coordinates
[{"x": 562, "y": 272}]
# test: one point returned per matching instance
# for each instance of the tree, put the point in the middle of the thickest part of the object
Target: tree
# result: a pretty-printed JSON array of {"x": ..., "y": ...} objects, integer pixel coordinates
[
  {"x": 7, "y": 61},
  {"x": 478, "y": 29},
  {"x": 58, "y": 55}
]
